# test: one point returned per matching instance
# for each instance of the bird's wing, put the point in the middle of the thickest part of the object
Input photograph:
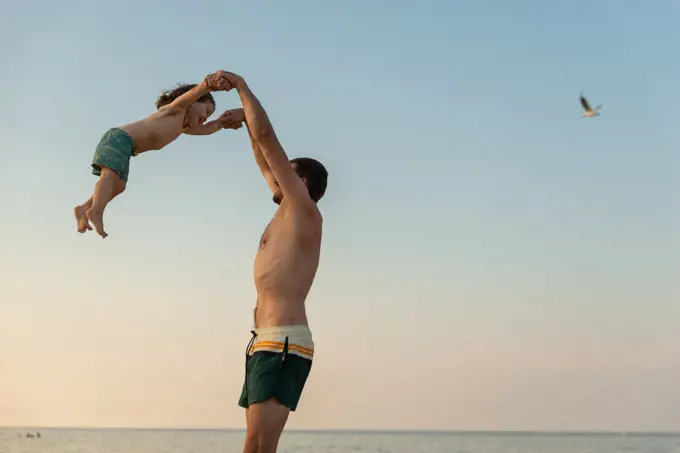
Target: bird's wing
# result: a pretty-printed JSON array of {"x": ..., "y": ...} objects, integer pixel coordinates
[
  {"x": 584, "y": 103},
  {"x": 598, "y": 107}
]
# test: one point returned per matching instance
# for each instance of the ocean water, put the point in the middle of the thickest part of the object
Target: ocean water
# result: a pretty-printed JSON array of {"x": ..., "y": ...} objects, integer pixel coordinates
[{"x": 206, "y": 441}]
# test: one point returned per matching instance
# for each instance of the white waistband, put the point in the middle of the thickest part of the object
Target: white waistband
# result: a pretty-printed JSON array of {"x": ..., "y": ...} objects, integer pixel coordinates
[
  {"x": 273, "y": 339},
  {"x": 284, "y": 330}
]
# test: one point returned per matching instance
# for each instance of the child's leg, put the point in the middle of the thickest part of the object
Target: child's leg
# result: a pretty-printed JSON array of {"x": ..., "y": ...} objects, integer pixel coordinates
[
  {"x": 83, "y": 224},
  {"x": 81, "y": 211},
  {"x": 108, "y": 186}
]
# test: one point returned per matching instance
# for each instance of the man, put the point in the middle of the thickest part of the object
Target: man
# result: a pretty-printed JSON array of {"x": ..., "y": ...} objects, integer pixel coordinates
[{"x": 279, "y": 356}]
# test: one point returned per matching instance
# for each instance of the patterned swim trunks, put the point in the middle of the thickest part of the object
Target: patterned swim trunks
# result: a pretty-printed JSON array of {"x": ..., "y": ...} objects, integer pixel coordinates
[{"x": 114, "y": 151}]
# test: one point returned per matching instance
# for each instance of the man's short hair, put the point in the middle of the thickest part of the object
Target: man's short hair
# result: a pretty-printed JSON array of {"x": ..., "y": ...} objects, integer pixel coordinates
[{"x": 315, "y": 174}]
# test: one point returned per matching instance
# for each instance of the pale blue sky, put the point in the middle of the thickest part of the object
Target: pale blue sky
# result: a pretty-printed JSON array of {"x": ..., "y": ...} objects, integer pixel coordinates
[{"x": 490, "y": 260}]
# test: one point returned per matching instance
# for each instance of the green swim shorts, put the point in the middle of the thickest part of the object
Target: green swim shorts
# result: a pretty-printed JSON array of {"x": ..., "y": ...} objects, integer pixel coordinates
[
  {"x": 114, "y": 151},
  {"x": 278, "y": 362}
]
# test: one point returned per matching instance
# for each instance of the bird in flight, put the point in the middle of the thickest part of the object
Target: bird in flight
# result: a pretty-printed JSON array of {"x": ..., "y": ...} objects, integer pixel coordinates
[{"x": 589, "y": 112}]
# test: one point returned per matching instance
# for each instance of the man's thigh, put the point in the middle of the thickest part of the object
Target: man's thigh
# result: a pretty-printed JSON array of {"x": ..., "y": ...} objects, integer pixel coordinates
[{"x": 264, "y": 424}]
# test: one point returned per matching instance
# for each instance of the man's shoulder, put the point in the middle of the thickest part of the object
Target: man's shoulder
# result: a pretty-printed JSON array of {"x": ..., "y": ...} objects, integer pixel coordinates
[
  {"x": 309, "y": 215},
  {"x": 301, "y": 210}
]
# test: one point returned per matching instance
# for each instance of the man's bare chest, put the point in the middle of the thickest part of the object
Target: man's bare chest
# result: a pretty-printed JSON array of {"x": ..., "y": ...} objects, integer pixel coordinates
[
  {"x": 266, "y": 236},
  {"x": 278, "y": 238}
]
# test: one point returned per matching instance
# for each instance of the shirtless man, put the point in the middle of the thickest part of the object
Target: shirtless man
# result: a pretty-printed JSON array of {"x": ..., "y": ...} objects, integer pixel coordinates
[{"x": 279, "y": 356}]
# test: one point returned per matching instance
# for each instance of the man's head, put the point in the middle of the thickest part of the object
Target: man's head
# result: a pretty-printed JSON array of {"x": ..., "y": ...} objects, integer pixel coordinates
[
  {"x": 313, "y": 174},
  {"x": 198, "y": 112}
]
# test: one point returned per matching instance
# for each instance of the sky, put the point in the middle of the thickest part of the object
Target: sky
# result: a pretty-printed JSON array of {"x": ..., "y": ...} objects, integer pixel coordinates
[{"x": 491, "y": 260}]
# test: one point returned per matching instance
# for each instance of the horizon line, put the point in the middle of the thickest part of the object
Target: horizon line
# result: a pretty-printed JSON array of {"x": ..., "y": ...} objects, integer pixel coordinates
[{"x": 621, "y": 432}]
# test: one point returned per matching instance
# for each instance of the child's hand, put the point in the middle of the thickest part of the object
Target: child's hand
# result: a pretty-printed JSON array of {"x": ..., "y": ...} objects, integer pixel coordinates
[
  {"x": 232, "y": 119},
  {"x": 213, "y": 82},
  {"x": 228, "y": 80}
]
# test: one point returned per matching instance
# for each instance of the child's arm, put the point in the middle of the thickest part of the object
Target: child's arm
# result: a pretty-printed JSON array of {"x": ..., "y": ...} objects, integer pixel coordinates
[
  {"x": 230, "y": 119},
  {"x": 206, "y": 129},
  {"x": 184, "y": 101}
]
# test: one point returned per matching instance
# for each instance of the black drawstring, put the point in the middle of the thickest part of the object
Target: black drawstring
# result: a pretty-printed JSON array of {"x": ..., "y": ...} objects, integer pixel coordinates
[
  {"x": 285, "y": 350},
  {"x": 251, "y": 343},
  {"x": 252, "y": 340}
]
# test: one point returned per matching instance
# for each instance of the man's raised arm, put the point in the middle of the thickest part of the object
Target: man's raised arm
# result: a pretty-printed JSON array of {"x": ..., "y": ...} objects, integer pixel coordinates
[
  {"x": 262, "y": 162},
  {"x": 262, "y": 134}
]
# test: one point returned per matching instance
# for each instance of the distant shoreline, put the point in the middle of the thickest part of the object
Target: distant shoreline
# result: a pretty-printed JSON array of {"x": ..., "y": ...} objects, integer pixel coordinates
[{"x": 631, "y": 433}]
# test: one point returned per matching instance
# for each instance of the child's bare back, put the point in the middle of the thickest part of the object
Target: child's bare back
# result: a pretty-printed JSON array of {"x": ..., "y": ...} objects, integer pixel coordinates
[
  {"x": 182, "y": 110},
  {"x": 156, "y": 130}
]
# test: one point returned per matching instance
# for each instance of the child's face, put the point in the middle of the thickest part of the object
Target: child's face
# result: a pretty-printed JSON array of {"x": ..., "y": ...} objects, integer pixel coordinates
[{"x": 199, "y": 112}]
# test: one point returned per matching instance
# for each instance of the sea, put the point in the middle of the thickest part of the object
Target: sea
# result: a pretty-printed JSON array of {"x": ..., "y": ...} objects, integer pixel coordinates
[{"x": 26, "y": 440}]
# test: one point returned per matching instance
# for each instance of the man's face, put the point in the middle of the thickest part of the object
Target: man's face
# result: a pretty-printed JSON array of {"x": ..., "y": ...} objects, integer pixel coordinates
[{"x": 278, "y": 195}]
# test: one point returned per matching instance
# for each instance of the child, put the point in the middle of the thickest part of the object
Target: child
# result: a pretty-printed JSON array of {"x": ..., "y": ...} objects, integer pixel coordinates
[{"x": 182, "y": 110}]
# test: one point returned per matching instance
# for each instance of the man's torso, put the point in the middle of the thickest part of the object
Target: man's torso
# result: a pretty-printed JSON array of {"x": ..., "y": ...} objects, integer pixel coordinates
[{"x": 285, "y": 267}]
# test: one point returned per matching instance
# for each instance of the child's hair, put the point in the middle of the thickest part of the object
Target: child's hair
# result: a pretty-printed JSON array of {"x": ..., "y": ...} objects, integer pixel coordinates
[{"x": 168, "y": 96}]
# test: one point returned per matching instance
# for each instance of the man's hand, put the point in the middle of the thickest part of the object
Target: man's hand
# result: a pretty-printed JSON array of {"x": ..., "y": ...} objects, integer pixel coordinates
[
  {"x": 214, "y": 82},
  {"x": 232, "y": 119},
  {"x": 228, "y": 80}
]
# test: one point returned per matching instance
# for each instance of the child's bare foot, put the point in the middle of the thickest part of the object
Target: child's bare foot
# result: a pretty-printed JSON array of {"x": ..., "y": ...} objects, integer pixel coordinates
[
  {"x": 97, "y": 219},
  {"x": 81, "y": 219}
]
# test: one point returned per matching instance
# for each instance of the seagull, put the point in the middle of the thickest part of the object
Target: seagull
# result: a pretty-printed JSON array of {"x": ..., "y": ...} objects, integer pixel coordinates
[{"x": 589, "y": 112}]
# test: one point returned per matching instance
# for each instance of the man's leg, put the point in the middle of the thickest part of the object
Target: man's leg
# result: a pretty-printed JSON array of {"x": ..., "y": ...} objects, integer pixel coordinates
[{"x": 264, "y": 424}]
